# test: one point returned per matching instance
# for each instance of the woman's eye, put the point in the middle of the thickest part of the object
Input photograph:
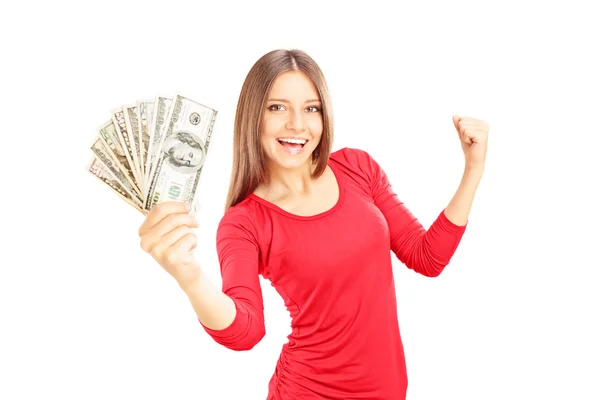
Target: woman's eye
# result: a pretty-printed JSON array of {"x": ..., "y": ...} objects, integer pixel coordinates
[
  {"x": 314, "y": 109},
  {"x": 275, "y": 107}
]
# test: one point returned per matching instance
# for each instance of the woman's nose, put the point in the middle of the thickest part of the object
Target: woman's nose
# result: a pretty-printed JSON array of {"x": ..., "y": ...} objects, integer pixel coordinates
[{"x": 296, "y": 121}]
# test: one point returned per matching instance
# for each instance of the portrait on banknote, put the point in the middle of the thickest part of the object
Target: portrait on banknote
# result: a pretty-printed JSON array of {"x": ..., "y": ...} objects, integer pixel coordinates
[{"x": 184, "y": 152}]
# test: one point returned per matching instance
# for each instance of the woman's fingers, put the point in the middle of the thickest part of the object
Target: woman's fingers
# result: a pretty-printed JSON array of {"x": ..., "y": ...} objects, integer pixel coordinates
[
  {"x": 167, "y": 225},
  {"x": 167, "y": 235},
  {"x": 172, "y": 221},
  {"x": 175, "y": 252},
  {"x": 160, "y": 211},
  {"x": 162, "y": 245},
  {"x": 180, "y": 252}
]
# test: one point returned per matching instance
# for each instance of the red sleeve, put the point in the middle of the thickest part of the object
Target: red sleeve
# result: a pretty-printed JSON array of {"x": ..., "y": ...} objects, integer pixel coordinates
[
  {"x": 237, "y": 249},
  {"x": 424, "y": 251}
]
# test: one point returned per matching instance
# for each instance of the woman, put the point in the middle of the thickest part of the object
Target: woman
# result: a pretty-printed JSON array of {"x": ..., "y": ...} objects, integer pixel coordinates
[{"x": 319, "y": 225}]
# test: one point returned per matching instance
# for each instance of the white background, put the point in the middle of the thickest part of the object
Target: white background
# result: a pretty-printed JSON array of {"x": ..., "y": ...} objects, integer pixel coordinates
[{"x": 85, "y": 314}]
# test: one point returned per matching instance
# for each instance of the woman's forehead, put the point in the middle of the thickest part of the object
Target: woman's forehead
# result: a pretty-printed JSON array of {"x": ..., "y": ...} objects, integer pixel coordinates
[{"x": 294, "y": 86}]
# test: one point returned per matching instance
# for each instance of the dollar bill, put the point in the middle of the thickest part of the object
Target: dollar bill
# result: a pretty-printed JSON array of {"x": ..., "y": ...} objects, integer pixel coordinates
[
  {"x": 97, "y": 169},
  {"x": 118, "y": 118},
  {"x": 132, "y": 126},
  {"x": 182, "y": 152},
  {"x": 145, "y": 109},
  {"x": 108, "y": 134},
  {"x": 161, "y": 109},
  {"x": 102, "y": 152}
]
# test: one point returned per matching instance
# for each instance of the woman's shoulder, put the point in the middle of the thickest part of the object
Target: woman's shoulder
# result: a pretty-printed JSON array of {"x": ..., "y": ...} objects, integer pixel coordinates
[
  {"x": 346, "y": 151},
  {"x": 355, "y": 161},
  {"x": 239, "y": 221},
  {"x": 242, "y": 212},
  {"x": 351, "y": 156}
]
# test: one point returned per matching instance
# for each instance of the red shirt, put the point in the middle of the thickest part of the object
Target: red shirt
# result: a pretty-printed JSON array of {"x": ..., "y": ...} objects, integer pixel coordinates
[{"x": 334, "y": 272}]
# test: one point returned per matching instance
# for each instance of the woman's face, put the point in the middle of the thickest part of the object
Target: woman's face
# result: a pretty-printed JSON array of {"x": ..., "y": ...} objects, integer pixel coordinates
[{"x": 293, "y": 111}]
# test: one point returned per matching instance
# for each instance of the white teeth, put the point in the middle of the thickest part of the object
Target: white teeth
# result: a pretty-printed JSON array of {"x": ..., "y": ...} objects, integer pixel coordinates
[{"x": 296, "y": 141}]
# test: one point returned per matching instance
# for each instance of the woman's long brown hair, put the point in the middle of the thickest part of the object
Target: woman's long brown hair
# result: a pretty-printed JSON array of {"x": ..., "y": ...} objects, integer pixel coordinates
[{"x": 249, "y": 161}]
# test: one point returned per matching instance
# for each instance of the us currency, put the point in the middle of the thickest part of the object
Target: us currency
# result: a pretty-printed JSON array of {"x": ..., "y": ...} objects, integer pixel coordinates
[
  {"x": 102, "y": 152},
  {"x": 183, "y": 150},
  {"x": 97, "y": 169},
  {"x": 118, "y": 118},
  {"x": 145, "y": 109},
  {"x": 161, "y": 109},
  {"x": 108, "y": 134},
  {"x": 132, "y": 126}
]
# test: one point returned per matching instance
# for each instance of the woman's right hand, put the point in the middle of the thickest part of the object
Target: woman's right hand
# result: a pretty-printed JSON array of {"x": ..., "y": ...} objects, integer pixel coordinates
[{"x": 167, "y": 236}]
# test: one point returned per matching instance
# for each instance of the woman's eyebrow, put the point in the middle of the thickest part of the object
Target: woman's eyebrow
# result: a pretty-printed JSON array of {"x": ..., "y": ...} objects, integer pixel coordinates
[{"x": 287, "y": 101}]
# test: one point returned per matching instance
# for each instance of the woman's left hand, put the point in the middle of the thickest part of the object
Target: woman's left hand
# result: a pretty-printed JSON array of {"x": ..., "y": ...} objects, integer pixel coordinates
[{"x": 473, "y": 134}]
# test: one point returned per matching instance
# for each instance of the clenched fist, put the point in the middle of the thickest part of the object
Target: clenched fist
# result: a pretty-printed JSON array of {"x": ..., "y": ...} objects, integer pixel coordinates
[
  {"x": 167, "y": 236},
  {"x": 473, "y": 134}
]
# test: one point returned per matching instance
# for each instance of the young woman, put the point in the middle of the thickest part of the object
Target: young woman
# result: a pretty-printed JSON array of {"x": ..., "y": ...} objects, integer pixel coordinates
[{"x": 321, "y": 227}]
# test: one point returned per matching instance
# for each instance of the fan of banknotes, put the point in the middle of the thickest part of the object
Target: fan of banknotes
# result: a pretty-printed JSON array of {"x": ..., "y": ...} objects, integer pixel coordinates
[{"x": 153, "y": 150}]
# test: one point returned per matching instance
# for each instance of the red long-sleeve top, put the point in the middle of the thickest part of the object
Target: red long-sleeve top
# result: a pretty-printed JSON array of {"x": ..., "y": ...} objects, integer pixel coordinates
[{"x": 334, "y": 272}]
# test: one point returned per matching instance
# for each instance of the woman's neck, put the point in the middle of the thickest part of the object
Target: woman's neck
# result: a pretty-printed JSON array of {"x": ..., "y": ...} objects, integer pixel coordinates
[{"x": 284, "y": 182}]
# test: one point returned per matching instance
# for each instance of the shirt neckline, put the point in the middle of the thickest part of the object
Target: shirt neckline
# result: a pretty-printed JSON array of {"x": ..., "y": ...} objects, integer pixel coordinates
[{"x": 338, "y": 204}]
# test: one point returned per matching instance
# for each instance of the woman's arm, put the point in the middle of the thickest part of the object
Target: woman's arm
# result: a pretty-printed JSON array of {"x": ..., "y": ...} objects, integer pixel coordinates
[
  {"x": 234, "y": 314},
  {"x": 473, "y": 135},
  {"x": 214, "y": 309},
  {"x": 459, "y": 207}
]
